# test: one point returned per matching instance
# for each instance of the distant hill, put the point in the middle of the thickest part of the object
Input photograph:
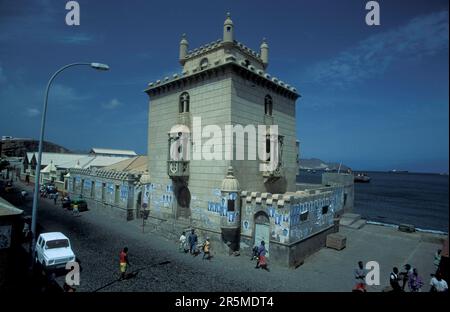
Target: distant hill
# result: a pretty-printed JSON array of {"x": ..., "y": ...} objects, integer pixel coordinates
[
  {"x": 18, "y": 147},
  {"x": 318, "y": 164}
]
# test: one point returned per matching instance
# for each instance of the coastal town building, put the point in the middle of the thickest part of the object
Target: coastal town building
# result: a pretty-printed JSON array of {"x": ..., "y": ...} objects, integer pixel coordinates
[
  {"x": 55, "y": 166},
  {"x": 231, "y": 201},
  {"x": 115, "y": 189}
]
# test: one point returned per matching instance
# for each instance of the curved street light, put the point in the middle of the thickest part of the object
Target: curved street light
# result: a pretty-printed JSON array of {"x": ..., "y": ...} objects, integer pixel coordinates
[{"x": 97, "y": 66}]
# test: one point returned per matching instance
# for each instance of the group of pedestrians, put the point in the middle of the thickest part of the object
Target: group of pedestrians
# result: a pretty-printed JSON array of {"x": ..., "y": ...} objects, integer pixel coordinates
[
  {"x": 408, "y": 279},
  {"x": 410, "y": 276},
  {"x": 190, "y": 244}
]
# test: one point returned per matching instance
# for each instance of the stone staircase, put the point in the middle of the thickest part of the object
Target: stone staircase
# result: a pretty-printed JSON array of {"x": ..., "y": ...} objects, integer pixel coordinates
[{"x": 352, "y": 220}]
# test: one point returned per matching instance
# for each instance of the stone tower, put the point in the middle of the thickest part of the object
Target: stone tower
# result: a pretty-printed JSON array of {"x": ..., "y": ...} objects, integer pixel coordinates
[{"x": 222, "y": 83}]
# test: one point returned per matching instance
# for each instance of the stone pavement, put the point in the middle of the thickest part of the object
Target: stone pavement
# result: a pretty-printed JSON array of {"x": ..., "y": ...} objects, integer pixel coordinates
[{"x": 98, "y": 237}]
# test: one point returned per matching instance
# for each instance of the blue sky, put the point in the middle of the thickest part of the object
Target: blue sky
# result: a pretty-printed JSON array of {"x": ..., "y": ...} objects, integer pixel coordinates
[{"x": 375, "y": 98}]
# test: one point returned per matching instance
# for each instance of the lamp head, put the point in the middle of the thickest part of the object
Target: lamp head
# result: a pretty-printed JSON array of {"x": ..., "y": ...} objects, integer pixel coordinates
[{"x": 99, "y": 66}]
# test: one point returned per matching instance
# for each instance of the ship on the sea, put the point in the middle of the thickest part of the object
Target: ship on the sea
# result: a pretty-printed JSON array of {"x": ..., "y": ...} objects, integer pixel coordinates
[
  {"x": 398, "y": 171},
  {"x": 361, "y": 178}
]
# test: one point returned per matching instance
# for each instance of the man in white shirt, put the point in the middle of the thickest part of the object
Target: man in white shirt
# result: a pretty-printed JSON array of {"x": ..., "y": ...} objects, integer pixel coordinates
[{"x": 438, "y": 284}]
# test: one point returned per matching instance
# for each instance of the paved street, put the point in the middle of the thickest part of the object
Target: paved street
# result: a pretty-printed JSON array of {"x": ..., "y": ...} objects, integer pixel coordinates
[{"x": 98, "y": 238}]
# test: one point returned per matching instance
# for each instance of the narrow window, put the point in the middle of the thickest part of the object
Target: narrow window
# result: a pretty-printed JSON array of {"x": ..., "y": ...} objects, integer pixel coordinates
[
  {"x": 268, "y": 106},
  {"x": 230, "y": 205},
  {"x": 268, "y": 148},
  {"x": 184, "y": 103},
  {"x": 324, "y": 210},
  {"x": 92, "y": 189},
  {"x": 117, "y": 194},
  {"x": 103, "y": 191}
]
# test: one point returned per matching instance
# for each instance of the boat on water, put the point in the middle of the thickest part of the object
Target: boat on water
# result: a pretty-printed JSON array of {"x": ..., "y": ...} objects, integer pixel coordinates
[
  {"x": 361, "y": 178},
  {"x": 398, "y": 171}
]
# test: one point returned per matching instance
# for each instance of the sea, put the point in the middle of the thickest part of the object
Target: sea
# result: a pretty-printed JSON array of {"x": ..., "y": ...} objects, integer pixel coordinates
[{"x": 396, "y": 198}]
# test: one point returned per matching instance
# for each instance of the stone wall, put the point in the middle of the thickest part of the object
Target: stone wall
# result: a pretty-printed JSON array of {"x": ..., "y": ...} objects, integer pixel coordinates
[
  {"x": 107, "y": 191},
  {"x": 345, "y": 180}
]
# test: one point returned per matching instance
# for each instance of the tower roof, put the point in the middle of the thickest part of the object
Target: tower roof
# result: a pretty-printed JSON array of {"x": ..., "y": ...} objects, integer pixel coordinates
[
  {"x": 264, "y": 44},
  {"x": 184, "y": 40},
  {"x": 228, "y": 21},
  {"x": 230, "y": 183}
]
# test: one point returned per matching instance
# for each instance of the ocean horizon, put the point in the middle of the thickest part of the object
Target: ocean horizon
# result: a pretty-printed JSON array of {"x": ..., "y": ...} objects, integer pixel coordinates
[{"x": 420, "y": 199}]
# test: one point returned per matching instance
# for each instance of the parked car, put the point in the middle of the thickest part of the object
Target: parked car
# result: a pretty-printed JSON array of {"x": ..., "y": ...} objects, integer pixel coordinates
[
  {"x": 53, "y": 250},
  {"x": 66, "y": 202},
  {"x": 80, "y": 203}
]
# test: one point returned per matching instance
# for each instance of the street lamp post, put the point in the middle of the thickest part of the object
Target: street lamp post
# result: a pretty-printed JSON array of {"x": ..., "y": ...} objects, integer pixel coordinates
[{"x": 97, "y": 66}]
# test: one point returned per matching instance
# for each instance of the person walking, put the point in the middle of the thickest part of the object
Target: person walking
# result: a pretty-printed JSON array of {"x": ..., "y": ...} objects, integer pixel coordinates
[
  {"x": 394, "y": 280},
  {"x": 182, "y": 241},
  {"x": 75, "y": 210},
  {"x": 360, "y": 276},
  {"x": 123, "y": 263},
  {"x": 206, "y": 249},
  {"x": 415, "y": 282},
  {"x": 192, "y": 239},
  {"x": 406, "y": 275},
  {"x": 55, "y": 198},
  {"x": 261, "y": 262}
]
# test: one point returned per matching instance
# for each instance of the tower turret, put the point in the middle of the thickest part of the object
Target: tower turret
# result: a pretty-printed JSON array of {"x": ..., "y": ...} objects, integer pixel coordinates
[
  {"x": 265, "y": 53},
  {"x": 228, "y": 35},
  {"x": 184, "y": 44}
]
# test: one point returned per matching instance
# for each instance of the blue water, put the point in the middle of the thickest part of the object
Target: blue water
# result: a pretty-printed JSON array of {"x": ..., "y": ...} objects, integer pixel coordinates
[{"x": 418, "y": 199}]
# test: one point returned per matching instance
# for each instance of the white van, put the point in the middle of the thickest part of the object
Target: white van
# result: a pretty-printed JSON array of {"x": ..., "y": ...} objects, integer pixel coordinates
[{"x": 53, "y": 250}]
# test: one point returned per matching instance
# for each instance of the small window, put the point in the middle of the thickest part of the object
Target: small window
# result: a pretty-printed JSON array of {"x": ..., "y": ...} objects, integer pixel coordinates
[
  {"x": 304, "y": 216},
  {"x": 268, "y": 105},
  {"x": 345, "y": 198},
  {"x": 324, "y": 210},
  {"x": 184, "y": 103},
  {"x": 247, "y": 63},
  {"x": 228, "y": 28},
  {"x": 230, "y": 205},
  {"x": 204, "y": 63},
  {"x": 268, "y": 148}
]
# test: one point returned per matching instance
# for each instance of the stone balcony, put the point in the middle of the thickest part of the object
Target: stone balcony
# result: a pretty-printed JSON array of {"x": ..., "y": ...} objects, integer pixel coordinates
[
  {"x": 177, "y": 168},
  {"x": 273, "y": 174}
]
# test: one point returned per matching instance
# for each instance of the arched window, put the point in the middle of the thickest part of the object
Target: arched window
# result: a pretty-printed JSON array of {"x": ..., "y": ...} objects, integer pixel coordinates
[
  {"x": 204, "y": 63},
  {"x": 268, "y": 106},
  {"x": 184, "y": 102}
]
